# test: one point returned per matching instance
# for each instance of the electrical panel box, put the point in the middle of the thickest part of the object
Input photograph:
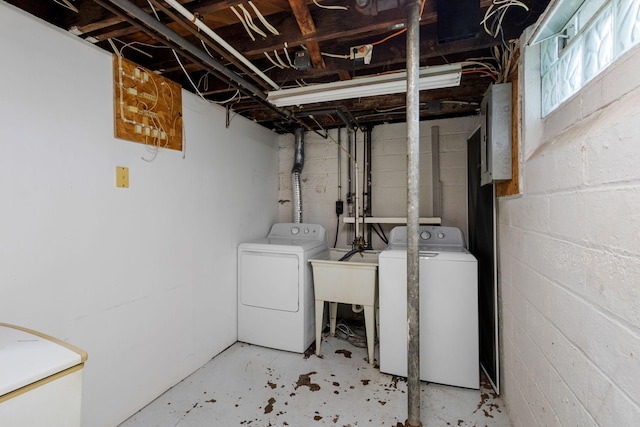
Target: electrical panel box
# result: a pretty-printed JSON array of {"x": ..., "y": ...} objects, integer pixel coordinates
[
  {"x": 302, "y": 60},
  {"x": 495, "y": 134}
]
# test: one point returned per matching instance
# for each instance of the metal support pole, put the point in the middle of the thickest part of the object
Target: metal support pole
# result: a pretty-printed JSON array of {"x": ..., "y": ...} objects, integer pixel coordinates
[{"x": 413, "y": 214}]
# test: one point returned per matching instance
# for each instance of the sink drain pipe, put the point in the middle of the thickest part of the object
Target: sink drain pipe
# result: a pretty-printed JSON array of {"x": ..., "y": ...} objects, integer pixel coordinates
[
  {"x": 298, "y": 164},
  {"x": 413, "y": 203}
]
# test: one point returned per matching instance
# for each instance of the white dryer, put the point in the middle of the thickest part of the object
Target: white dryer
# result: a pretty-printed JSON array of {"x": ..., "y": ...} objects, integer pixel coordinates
[
  {"x": 275, "y": 287},
  {"x": 448, "y": 307}
]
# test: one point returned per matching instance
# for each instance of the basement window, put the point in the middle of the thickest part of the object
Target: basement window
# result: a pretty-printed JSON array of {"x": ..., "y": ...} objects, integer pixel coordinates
[{"x": 586, "y": 37}]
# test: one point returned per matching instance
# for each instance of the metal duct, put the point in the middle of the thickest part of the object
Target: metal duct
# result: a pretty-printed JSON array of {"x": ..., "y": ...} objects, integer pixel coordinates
[
  {"x": 298, "y": 164},
  {"x": 297, "y": 199}
]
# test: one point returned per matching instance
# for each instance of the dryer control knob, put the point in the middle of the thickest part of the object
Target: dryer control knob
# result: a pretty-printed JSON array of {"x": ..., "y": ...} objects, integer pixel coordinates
[
  {"x": 306, "y": 231},
  {"x": 425, "y": 235},
  {"x": 440, "y": 235},
  {"x": 295, "y": 230}
]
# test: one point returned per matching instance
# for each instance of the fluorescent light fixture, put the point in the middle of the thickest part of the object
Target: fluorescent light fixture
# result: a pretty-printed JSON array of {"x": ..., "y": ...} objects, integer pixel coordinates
[{"x": 435, "y": 77}]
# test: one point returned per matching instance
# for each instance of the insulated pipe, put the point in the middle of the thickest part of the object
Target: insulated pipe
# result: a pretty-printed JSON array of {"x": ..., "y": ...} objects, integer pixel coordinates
[
  {"x": 198, "y": 23},
  {"x": 298, "y": 164},
  {"x": 413, "y": 203}
]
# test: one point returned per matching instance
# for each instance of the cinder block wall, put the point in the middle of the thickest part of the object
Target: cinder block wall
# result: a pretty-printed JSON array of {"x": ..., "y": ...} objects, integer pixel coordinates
[
  {"x": 389, "y": 175},
  {"x": 570, "y": 261}
]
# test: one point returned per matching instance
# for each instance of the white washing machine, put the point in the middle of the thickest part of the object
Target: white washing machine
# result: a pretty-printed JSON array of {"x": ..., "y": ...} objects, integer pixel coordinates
[
  {"x": 275, "y": 287},
  {"x": 448, "y": 307}
]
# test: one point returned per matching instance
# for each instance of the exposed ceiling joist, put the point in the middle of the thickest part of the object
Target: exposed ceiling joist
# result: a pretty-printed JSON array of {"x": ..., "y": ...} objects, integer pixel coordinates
[{"x": 217, "y": 74}]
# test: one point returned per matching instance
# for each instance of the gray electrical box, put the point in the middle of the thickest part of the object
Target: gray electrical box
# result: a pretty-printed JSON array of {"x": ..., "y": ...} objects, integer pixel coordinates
[
  {"x": 495, "y": 134},
  {"x": 302, "y": 60}
]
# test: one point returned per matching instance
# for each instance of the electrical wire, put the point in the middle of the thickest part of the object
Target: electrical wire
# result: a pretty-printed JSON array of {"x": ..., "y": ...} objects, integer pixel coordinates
[
  {"x": 131, "y": 45},
  {"x": 483, "y": 65},
  {"x": 272, "y": 61},
  {"x": 275, "y": 53},
  {"x": 504, "y": 57},
  {"x": 483, "y": 72},
  {"x": 204, "y": 78},
  {"x": 184, "y": 70},
  {"x": 178, "y": 60},
  {"x": 264, "y": 21},
  {"x": 498, "y": 14},
  {"x": 333, "y": 55},
  {"x": 389, "y": 37},
  {"x": 206, "y": 49},
  {"x": 230, "y": 99},
  {"x": 250, "y": 23},
  {"x": 326, "y": 132},
  {"x": 184, "y": 136},
  {"x": 66, "y": 5},
  {"x": 244, "y": 24},
  {"x": 330, "y": 7},
  {"x": 286, "y": 53}
]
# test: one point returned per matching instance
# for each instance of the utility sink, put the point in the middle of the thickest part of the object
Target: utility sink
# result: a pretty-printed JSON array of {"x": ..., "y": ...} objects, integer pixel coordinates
[{"x": 354, "y": 281}]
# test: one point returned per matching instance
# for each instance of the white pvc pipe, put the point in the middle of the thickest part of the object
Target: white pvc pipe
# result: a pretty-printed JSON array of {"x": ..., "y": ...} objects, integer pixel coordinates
[
  {"x": 190, "y": 16},
  {"x": 355, "y": 166}
]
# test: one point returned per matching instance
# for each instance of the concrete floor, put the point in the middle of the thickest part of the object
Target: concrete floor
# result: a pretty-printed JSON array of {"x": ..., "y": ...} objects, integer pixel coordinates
[{"x": 248, "y": 385}]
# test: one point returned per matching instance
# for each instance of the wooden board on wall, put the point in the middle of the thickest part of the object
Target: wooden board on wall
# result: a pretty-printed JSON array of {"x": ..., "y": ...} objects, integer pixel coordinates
[
  {"x": 147, "y": 106},
  {"x": 512, "y": 187}
]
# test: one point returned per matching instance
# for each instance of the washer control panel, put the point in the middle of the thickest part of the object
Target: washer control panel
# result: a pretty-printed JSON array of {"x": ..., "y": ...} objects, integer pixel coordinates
[
  {"x": 429, "y": 235},
  {"x": 426, "y": 236},
  {"x": 300, "y": 231},
  {"x": 305, "y": 230}
]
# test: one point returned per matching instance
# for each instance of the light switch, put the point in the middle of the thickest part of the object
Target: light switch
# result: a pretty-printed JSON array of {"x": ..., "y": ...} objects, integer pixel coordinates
[{"x": 122, "y": 177}]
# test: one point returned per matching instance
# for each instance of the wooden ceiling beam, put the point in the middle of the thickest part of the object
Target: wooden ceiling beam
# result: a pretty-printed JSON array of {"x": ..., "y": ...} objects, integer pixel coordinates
[
  {"x": 96, "y": 23},
  {"x": 392, "y": 56},
  {"x": 337, "y": 27},
  {"x": 329, "y": 27},
  {"x": 307, "y": 29}
]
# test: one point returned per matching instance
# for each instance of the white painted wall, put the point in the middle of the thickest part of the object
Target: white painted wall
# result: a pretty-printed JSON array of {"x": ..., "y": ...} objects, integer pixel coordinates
[
  {"x": 144, "y": 278},
  {"x": 389, "y": 175},
  {"x": 570, "y": 260}
]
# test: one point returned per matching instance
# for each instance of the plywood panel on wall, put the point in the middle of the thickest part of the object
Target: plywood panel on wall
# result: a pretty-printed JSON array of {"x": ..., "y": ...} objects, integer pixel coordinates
[
  {"x": 148, "y": 107},
  {"x": 512, "y": 186}
]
